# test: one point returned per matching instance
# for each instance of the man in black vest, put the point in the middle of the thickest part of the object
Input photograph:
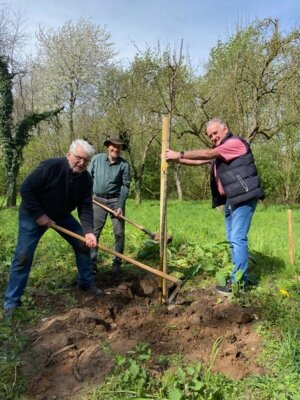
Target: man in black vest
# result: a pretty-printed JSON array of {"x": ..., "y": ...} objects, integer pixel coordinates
[{"x": 234, "y": 183}]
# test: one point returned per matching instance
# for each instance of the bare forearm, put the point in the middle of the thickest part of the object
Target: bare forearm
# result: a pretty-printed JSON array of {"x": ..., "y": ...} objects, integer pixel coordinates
[
  {"x": 203, "y": 154},
  {"x": 190, "y": 162}
]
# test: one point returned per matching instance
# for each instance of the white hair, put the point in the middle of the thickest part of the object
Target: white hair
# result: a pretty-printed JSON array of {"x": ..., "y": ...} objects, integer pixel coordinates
[
  {"x": 216, "y": 121},
  {"x": 88, "y": 148}
]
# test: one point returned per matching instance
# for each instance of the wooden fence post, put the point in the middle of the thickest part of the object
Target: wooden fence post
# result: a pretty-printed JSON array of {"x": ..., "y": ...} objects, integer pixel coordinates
[{"x": 291, "y": 239}]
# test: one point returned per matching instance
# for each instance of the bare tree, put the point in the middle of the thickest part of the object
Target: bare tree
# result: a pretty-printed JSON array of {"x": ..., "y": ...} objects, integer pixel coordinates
[{"x": 12, "y": 38}]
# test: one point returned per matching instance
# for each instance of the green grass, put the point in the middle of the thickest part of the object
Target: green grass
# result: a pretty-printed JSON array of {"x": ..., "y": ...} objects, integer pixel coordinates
[{"x": 198, "y": 247}]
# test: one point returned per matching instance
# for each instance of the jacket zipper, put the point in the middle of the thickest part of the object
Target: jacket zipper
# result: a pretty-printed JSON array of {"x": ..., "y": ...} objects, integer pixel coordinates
[{"x": 242, "y": 182}]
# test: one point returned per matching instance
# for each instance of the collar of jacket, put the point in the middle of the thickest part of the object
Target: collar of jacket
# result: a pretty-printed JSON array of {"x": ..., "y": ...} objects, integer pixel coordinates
[
  {"x": 117, "y": 160},
  {"x": 228, "y": 136}
]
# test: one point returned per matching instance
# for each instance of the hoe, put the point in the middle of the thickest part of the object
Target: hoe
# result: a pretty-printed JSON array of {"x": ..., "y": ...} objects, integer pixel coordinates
[
  {"x": 176, "y": 282},
  {"x": 153, "y": 236}
]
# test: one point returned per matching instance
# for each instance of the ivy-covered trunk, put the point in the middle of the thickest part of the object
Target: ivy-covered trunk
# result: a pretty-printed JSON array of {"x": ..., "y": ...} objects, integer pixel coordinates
[
  {"x": 6, "y": 109},
  {"x": 14, "y": 138},
  {"x": 11, "y": 189},
  {"x": 13, "y": 159}
]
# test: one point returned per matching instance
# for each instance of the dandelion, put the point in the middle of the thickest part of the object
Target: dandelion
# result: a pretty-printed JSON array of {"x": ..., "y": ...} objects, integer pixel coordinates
[{"x": 284, "y": 293}]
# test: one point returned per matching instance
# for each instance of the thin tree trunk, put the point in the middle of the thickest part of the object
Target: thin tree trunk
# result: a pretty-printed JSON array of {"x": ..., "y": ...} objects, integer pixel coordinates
[
  {"x": 138, "y": 176},
  {"x": 138, "y": 198},
  {"x": 71, "y": 117},
  {"x": 177, "y": 182},
  {"x": 11, "y": 190}
]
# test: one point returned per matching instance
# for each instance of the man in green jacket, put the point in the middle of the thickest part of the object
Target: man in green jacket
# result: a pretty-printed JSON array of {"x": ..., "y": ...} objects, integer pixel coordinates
[{"x": 111, "y": 181}]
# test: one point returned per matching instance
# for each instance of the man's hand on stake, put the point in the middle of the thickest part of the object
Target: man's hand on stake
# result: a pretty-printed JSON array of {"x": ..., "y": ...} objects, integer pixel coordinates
[{"x": 172, "y": 155}]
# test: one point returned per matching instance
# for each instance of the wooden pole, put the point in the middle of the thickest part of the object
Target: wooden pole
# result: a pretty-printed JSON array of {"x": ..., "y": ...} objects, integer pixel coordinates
[
  {"x": 163, "y": 203},
  {"x": 126, "y": 258},
  {"x": 291, "y": 239}
]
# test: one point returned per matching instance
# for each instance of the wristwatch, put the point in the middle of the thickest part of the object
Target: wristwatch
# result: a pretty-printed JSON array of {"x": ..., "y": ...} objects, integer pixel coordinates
[{"x": 181, "y": 154}]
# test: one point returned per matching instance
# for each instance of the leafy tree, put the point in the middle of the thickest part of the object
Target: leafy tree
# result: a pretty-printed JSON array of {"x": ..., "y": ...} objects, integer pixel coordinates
[
  {"x": 248, "y": 78},
  {"x": 252, "y": 81},
  {"x": 13, "y": 135},
  {"x": 129, "y": 103},
  {"x": 70, "y": 63},
  {"x": 132, "y": 102},
  {"x": 14, "y": 138}
]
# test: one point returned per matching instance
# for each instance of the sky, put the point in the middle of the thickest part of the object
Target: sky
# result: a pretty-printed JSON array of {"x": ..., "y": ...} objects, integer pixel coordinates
[{"x": 140, "y": 24}]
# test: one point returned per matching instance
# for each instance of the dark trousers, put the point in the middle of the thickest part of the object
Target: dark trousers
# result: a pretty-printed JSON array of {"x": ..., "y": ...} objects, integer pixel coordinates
[
  {"x": 100, "y": 216},
  {"x": 28, "y": 237}
]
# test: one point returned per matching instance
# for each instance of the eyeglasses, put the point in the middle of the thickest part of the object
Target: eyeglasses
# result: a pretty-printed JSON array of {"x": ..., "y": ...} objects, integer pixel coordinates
[{"x": 79, "y": 158}]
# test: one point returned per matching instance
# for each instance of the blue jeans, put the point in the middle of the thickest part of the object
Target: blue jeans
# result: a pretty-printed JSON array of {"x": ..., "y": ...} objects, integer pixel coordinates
[
  {"x": 237, "y": 222},
  {"x": 28, "y": 237},
  {"x": 100, "y": 216}
]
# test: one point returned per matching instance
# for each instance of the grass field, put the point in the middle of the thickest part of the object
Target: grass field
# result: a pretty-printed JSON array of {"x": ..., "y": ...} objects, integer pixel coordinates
[{"x": 198, "y": 239}]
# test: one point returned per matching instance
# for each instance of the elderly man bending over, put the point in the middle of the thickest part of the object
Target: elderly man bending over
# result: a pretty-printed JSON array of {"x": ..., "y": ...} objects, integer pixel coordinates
[{"x": 49, "y": 195}]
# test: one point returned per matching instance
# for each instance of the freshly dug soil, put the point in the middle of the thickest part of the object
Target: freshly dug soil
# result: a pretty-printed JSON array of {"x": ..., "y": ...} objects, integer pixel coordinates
[{"x": 73, "y": 349}]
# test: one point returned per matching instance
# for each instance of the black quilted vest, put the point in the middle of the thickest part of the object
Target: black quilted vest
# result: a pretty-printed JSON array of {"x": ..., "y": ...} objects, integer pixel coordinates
[{"x": 238, "y": 177}]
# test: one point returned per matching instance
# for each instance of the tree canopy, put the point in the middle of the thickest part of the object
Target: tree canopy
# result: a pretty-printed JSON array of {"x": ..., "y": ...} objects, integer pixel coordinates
[{"x": 251, "y": 80}]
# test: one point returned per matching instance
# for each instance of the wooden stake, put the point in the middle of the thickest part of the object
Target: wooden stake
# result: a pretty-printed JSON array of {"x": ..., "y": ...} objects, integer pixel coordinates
[
  {"x": 291, "y": 239},
  {"x": 163, "y": 203}
]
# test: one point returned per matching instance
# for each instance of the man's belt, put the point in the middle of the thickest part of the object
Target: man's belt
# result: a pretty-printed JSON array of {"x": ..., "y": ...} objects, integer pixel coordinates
[{"x": 108, "y": 196}]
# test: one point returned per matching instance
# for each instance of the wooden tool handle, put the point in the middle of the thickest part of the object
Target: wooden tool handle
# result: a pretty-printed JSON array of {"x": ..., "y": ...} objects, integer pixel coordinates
[
  {"x": 122, "y": 256},
  {"x": 110, "y": 210},
  {"x": 105, "y": 207}
]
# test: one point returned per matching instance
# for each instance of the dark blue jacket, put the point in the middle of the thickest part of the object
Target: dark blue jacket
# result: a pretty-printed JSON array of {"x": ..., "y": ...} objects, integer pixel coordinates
[
  {"x": 53, "y": 189},
  {"x": 238, "y": 177}
]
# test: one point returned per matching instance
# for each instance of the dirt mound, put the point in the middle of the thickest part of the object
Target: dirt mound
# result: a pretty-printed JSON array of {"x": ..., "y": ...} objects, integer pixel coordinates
[{"x": 74, "y": 349}]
